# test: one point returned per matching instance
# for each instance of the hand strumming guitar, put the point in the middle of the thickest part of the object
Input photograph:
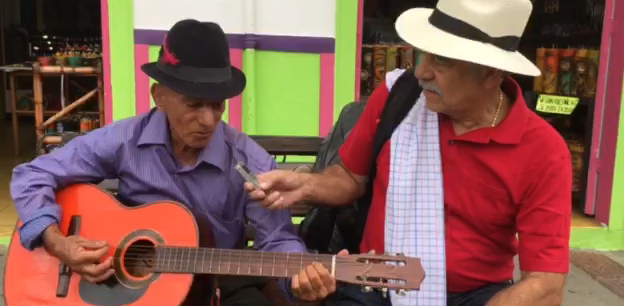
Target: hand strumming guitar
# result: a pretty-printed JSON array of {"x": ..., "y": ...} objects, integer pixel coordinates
[{"x": 80, "y": 254}]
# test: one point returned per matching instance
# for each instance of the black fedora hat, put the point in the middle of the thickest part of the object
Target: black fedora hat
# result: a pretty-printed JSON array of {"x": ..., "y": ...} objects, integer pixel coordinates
[{"x": 194, "y": 60}]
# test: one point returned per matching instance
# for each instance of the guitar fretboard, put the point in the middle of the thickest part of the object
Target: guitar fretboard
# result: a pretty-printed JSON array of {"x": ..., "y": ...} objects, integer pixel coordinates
[{"x": 234, "y": 262}]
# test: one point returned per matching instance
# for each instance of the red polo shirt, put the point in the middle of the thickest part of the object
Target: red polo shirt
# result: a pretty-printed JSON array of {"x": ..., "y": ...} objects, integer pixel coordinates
[{"x": 513, "y": 178}]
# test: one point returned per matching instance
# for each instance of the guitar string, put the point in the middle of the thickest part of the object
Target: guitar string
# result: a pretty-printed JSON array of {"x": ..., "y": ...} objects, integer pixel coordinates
[
  {"x": 249, "y": 254},
  {"x": 225, "y": 268},
  {"x": 232, "y": 260},
  {"x": 165, "y": 263},
  {"x": 243, "y": 254},
  {"x": 138, "y": 249},
  {"x": 294, "y": 257}
]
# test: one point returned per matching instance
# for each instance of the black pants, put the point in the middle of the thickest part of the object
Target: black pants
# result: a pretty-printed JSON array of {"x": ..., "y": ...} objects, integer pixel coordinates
[
  {"x": 242, "y": 291},
  {"x": 350, "y": 295}
]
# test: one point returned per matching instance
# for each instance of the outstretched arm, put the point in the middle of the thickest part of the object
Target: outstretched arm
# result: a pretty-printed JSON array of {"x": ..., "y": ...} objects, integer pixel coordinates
[{"x": 88, "y": 158}]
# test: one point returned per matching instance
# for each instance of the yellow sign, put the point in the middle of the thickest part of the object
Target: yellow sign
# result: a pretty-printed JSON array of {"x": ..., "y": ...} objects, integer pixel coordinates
[{"x": 556, "y": 104}]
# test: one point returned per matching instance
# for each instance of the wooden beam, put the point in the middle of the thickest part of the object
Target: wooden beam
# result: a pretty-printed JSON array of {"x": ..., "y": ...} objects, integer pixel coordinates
[
  {"x": 38, "y": 100},
  {"x": 3, "y": 75},
  {"x": 62, "y": 113},
  {"x": 91, "y": 71}
]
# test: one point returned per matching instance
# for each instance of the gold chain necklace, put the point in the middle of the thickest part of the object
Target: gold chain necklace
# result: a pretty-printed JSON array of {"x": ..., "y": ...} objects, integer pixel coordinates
[{"x": 500, "y": 101}]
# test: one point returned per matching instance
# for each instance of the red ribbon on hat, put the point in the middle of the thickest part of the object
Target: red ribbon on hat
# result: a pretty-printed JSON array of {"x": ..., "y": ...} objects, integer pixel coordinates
[{"x": 169, "y": 57}]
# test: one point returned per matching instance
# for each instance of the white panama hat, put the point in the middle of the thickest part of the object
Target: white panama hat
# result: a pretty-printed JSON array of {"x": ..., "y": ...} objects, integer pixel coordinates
[{"x": 485, "y": 32}]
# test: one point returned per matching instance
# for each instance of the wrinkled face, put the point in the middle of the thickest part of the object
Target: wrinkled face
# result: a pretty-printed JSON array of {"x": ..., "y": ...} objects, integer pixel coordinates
[
  {"x": 452, "y": 86},
  {"x": 192, "y": 121}
]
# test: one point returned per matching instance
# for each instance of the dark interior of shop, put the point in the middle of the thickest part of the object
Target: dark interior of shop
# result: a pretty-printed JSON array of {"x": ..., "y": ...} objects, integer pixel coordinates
[{"x": 51, "y": 32}]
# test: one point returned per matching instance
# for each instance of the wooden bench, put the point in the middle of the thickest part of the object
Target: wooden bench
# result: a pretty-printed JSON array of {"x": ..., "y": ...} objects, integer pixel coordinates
[{"x": 287, "y": 145}]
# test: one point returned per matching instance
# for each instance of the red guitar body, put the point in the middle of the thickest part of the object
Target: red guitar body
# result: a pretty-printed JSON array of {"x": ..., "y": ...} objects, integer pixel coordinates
[{"x": 32, "y": 277}]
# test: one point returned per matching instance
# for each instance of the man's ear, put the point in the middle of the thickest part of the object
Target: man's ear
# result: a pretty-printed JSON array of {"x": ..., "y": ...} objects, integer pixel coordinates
[
  {"x": 493, "y": 77},
  {"x": 157, "y": 94}
]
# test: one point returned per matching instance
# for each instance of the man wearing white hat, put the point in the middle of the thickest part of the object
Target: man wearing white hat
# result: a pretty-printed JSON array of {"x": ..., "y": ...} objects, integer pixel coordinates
[{"x": 468, "y": 179}]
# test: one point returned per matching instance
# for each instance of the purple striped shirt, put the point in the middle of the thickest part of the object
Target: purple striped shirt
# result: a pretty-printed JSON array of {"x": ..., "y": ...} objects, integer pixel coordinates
[{"x": 137, "y": 151}]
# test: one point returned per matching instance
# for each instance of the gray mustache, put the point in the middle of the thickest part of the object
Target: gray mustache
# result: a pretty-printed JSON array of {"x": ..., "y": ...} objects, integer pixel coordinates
[{"x": 430, "y": 87}]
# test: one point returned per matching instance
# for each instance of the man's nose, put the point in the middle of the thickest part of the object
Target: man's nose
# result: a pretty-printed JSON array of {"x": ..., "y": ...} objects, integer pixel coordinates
[
  {"x": 207, "y": 116},
  {"x": 423, "y": 69}
]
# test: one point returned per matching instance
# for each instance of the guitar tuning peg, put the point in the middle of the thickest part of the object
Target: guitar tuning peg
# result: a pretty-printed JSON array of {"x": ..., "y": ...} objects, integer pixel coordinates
[
  {"x": 384, "y": 292},
  {"x": 401, "y": 292},
  {"x": 400, "y": 254},
  {"x": 367, "y": 289}
]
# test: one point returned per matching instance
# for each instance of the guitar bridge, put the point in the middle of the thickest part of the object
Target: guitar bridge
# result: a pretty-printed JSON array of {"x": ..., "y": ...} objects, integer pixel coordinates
[{"x": 62, "y": 287}]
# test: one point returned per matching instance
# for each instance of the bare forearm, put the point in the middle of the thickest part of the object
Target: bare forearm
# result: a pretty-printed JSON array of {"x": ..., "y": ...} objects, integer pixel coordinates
[
  {"x": 528, "y": 292},
  {"x": 334, "y": 186}
]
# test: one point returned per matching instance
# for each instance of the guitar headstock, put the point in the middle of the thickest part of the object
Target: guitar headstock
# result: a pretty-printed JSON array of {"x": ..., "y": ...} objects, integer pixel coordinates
[{"x": 395, "y": 272}]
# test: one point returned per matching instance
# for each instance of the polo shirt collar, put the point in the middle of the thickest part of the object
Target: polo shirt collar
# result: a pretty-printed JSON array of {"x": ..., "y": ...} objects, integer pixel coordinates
[
  {"x": 156, "y": 132},
  {"x": 510, "y": 130}
]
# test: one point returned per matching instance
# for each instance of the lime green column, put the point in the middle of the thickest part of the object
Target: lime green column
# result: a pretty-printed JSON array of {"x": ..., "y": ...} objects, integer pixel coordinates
[
  {"x": 121, "y": 33},
  {"x": 249, "y": 122},
  {"x": 616, "y": 216},
  {"x": 346, "y": 51}
]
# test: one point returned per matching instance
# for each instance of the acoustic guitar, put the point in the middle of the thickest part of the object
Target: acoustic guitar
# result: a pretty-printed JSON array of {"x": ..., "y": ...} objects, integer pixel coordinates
[{"x": 163, "y": 254}]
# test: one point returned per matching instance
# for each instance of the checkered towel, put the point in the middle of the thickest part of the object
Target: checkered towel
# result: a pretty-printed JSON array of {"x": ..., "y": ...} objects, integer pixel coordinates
[{"x": 414, "y": 201}]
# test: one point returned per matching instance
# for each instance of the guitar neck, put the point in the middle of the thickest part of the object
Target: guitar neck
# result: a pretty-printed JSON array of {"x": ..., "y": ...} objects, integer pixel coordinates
[{"x": 234, "y": 262}]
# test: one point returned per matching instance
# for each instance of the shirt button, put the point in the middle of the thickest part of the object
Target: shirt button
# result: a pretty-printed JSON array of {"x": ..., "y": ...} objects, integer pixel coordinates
[{"x": 451, "y": 142}]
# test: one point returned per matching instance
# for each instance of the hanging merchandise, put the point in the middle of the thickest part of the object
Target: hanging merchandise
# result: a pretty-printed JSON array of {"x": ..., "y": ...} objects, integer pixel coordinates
[
  {"x": 593, "y": 65},
  {"x": 580, "y": 77},
  {"x": 551, "y": 70},
  {"x": 538, "y": 82},
  {"x": 379, "y": 62},
  {"x": 566, "y": 71},
  {"x": 367, "y": 75}
]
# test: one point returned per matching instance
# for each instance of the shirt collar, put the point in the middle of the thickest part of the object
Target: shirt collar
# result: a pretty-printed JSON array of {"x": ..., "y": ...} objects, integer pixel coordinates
[
  {"x": 511, "y": 129},
  {"x": 156, "y": 132}
]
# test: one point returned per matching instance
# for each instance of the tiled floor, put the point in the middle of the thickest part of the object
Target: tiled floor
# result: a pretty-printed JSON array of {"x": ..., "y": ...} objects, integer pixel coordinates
[{"x": 8, "y": 216}]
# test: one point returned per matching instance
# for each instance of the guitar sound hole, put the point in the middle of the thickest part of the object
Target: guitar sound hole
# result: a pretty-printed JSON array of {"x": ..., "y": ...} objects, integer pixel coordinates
[{"x": 139, "y": 258}]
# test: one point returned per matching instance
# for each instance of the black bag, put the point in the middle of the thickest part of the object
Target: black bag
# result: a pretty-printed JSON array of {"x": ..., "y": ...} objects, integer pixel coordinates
[
  {"x": 318, "y": 229},
  {"x": 330, "y": 229}
]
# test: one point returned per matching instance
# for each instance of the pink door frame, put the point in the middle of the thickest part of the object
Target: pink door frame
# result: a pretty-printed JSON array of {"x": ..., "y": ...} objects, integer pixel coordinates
[{"x": 606, "y": 112}]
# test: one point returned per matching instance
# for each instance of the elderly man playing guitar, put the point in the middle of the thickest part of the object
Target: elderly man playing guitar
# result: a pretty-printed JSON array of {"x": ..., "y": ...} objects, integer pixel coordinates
[{"x": 179, "y": 151}]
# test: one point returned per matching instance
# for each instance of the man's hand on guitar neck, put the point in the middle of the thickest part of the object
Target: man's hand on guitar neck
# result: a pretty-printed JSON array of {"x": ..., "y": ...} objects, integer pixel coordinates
[
  {"x": 80, "y": 254},
  {"x": 315, "y": 282}
]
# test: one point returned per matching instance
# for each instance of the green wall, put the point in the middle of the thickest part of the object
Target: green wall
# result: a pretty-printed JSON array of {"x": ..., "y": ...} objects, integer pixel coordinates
[
  {"x": 346, "y": 48},
  {"x": 287, "y": 93},
  {"x": 282, "y": 97},
  {"x": 121, "y": 35},
  {"x": 616, "y": 217}
]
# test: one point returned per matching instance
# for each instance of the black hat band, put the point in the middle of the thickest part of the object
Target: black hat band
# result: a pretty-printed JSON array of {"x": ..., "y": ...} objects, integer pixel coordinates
[
  {"x": 195, "y": 74},
  {"x": 462, "y": 29}
]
